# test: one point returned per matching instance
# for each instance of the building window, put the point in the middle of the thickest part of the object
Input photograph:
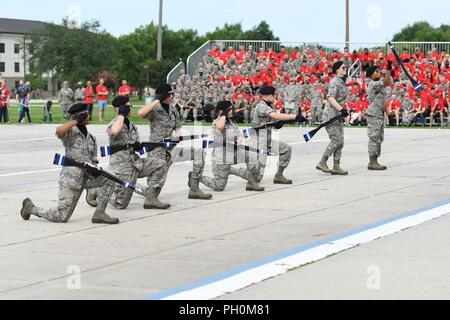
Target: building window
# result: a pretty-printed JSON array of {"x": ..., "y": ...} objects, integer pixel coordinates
[
  {"x": 2, "y": 67},
  {"x": 16, "y": 67},
  {"x": 2, "y": 48},
  {"x": 16, "y": 48}
]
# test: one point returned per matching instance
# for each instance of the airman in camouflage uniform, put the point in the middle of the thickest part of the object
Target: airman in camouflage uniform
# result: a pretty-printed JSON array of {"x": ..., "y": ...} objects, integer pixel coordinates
[
  {"x": 337, "y": 97},
  {"x": 316, "y": 104},
  {"x": 164, "y": 122},
  {"x": 291, "y": 97},
  {"x": 262, "y": 114},
  {"x": 127, "y": 165},
  {"x": 375, "y": 114},
  {"x": 65, "y": 99},
  {"x": 79, "y": 93},
  {"x": 408, "y": 110},
  {"x": 81, "y": 146},
  {"x": 224, "y": 155}
]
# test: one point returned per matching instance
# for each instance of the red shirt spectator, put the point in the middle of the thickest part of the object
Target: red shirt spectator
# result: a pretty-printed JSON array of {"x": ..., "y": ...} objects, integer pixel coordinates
[
  {"x": 405, "y": 55},
  {"x": 102, "y": 92},
  {"x": 425, "y": 96},
  {"x": 125, "y": 89},
  {"x": 215, "y": 52},
  {"x": 237, "y": 79},
  {"x": 394, "y": 105},
  {"x": 89, "y": 94}
]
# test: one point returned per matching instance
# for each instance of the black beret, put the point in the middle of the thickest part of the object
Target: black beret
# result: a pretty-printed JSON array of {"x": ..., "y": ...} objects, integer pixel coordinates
[
  {"x": 370, "y": 71},
  {"x": 78, "y": 107},
  {"x": 267, "y": 90},
  {"x": 337, "y": 65},
  {"x": 120, "y": 101},
  {"x": 224, "y": 104},
  {"x": 163, "y": 89}
]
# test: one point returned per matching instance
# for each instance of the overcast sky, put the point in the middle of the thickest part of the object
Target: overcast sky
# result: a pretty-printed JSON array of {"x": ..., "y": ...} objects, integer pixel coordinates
[{"x": 291, "y": 20}]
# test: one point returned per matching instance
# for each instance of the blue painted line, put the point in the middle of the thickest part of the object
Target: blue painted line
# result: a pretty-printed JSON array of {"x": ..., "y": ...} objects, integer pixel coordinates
[
  {"x": 246, "y": 267},
  {"x": 12, "y": 186}
]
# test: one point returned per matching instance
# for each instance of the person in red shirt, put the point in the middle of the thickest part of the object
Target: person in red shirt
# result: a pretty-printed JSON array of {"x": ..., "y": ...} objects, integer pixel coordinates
[
  {"x": 7, "y": 95},
  {"x": 240, "y": 56},
  {"x": 297, "y": 53},
  {"x": 393, "y": 108},
  {"x": 305, "y": 107},
  {"x": 102, "y": 99},
  {"x": 270, "y": 78},
  {"x": 261, "y": 53},
  {"x": 283, "y": 53},
  {"x": 89, "y": 98},
  {"x": 419, "y": 112},
  {"x": 425, "y": 95},
  {"x": 223, "y": 58},
  {"x": 230, "y": 52},
  {"x": 125, "y": 89},
  {"x": 437, "y": 108},
  {"x": 418, "y": 54},
  {"x": 236, "y": 79},
  {"x": 405, "y": 55},
  {"x": 357, "y": 108},
  {"x": 215, "y": 52}
]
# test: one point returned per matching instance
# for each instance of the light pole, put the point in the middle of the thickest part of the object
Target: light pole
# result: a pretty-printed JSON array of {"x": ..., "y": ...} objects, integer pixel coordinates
[
  {"x": 160, "y": 31},
  {"x": 347, "y": 23}
]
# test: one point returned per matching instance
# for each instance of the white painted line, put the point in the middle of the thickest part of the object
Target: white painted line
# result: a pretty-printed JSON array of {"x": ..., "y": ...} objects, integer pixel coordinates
[
  {"x": 28, "y": 140},
  {"x": 103, "y": 164},
  {"x": 245, "y": 276},
  {"x": 27, "y": 172},
  {"x": 40, "y": 139},
  {"x": 36, "y": 171}
]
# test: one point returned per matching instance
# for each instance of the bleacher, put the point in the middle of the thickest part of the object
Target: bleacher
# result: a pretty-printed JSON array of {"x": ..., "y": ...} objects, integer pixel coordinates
[{"x": 235, "y": 70}]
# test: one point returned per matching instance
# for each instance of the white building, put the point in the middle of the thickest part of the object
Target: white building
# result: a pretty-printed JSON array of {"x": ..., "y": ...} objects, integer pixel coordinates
[{"x": 13, "y": 60}]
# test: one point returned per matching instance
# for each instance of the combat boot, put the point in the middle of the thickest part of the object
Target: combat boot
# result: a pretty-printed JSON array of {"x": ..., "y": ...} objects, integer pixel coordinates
[
  {"x": 253, "y": 186},
  {"x": 322, "y": 165},
  {"x": 280, "y": 178},
  {"x": 50, "y": 118},
  {"x": 337, "y": 169},
  {"x": 91, "y": 198},
  {"x": 44, "y": 119},
  {"x": 374, "y": 165},
  {"x": 100, "y": 216},
  {"x": 155, "y": 204},
  {"x": 27, "y": 206},
  {"x": 194, "y": 190},
  {"x": 151, "y": 201}
]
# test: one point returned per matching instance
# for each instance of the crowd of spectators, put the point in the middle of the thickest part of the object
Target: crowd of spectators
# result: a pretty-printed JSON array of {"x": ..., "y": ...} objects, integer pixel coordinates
[{"x": 301, "y": 77}]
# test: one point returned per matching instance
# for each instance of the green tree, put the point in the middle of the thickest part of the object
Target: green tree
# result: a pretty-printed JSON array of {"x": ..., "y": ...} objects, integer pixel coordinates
[
  {"x": 71, "y": 54},
  {"x": 260, "y": 32},
  {"x": 423, "y": 31}
]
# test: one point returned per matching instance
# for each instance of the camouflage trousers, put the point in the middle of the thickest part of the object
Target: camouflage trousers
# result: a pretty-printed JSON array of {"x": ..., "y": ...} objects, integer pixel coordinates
[
  {"x": 65, "y": 110},
  {"x": 335, "y": 131},
  {"x": 221, "y": 171},
  {"x": 195, "y": 112},
  {"x": 155, "y": 170},
  {"x": 375, "y": 131},
  {"x": 68, "y": 197},
  {"x": 316, "y": 113},
  {"x": 181, "y": 154},
  {"x": 276, "y": 148}
]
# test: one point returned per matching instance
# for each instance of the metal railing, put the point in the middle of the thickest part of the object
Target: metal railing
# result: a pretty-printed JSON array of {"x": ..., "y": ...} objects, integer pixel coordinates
[
  {"x": 174, "y": 74},
  {"x": 328, "y": 47},
  {"x": 354, "y": 68},
  {"x": 197, "y": 56}
]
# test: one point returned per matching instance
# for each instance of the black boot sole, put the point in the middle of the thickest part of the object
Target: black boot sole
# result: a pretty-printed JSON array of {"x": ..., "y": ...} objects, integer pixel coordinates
[{"x": 104, "y": 222}]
